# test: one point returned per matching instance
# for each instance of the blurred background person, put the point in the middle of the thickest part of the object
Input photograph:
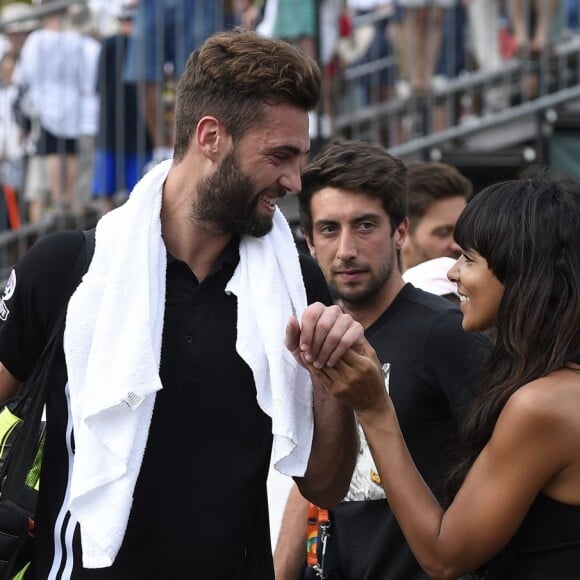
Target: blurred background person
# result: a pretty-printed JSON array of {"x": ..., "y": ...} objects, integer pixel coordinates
[
  {"x": 123, "y": 142},
  {"x": 18, "y": 22},
  {"x": 421, "y": 40},
  {"x": 431, "y": 276},
  {"x": 436, "y": 195},
  {"x": 531, "y": 22},
  {"x": 83, "y": 21},
  {"x": 51, "y": 69}
]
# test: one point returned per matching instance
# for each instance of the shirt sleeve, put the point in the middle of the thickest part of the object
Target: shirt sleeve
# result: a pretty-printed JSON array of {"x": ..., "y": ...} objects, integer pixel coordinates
[{"x": 31, "y": 299}]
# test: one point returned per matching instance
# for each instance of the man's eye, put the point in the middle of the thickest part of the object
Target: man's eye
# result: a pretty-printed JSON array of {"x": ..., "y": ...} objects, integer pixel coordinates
[{"x": 443, "y": 233}]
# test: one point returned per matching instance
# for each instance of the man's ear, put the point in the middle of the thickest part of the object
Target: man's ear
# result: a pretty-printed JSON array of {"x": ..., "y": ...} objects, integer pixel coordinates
[
  {"x": 400, "y": 234},
  {"x": 310, "y": 245},
  {"x": 211, "y": 137}
]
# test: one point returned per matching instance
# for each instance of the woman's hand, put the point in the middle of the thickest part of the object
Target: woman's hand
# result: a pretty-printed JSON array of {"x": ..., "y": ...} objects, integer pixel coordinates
[{"x": 356, "y": 379}]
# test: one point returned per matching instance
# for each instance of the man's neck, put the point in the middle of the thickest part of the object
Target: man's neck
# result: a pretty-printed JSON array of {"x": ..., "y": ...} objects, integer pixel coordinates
[
  {"x": 198, "y": 248},
  {"x": 368, "y": 312},
  {"x": 199, "y": 245}
]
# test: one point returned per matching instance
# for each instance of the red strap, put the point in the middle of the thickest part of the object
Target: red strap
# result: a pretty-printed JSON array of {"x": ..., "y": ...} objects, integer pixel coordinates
[{"x": 11, "y": 202}]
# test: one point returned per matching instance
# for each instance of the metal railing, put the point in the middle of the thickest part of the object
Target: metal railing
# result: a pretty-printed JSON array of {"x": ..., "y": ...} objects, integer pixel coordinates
[{"x": 405, "y": 125}]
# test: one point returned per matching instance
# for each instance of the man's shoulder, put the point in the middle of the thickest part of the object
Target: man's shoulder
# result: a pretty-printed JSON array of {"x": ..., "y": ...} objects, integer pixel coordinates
[
  {"x": 426, "y": 302},
  {"x": 61, "y": 246},
  {"x": 425, "y": 319},
  {"x": 415, "y": 310},
  {"x": 51, "y": 258}
]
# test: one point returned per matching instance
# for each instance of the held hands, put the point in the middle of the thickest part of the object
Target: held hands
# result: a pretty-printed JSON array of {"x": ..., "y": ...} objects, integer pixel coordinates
[
  {"x": 356, "y": 379},
  {"x": 323, "y": 336}
]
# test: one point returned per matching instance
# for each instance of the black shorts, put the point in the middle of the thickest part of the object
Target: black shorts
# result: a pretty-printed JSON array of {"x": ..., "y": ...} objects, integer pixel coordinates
[{"x": 49, "y": 144}]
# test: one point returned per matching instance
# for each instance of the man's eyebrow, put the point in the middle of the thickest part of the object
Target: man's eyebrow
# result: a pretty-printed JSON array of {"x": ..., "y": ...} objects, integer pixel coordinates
[
  {"x": 365, "y": 217},
  {"x": 356, "y": 220},
  {"x": 325, "y": 222},
  {"x": 289, "y": 149}
]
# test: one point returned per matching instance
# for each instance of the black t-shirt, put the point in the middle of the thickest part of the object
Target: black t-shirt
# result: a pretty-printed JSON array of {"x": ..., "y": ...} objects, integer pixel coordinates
[
  {"x": 200, "y": 507},
  {"x": 432, "y": 364}
]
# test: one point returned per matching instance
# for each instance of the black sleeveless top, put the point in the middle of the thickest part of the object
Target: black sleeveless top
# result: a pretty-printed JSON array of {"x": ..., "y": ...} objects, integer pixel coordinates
[
  {"x": 545, "y": 547},
  {"x": 547, "y": 544}
]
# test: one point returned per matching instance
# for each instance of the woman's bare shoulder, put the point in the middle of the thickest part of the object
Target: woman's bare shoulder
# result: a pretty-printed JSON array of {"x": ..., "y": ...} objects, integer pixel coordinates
[
  {"x": 543, "y": 417},
  {"x": 554, "y": 396}
]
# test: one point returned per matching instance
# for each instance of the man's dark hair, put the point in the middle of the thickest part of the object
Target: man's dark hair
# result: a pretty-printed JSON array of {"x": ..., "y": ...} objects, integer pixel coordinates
[
  {"x": 358, "y": 167},
  {"x": 430, "y": 181},
  {"x": 233, "y": 76}
]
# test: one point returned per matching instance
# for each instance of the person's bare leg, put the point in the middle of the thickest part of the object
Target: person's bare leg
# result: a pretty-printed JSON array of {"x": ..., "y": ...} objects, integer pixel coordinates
[
  {"x": 307, "y": 45},
  {"x": 35, "y": 211},
  {"x": 62, "y": 174},
  {"x": 519, "y": 17},
  {"x": 545, "y": 14},
  {"x": 432, "y": 48},
  {"x": 55, "y": 182},
  {"x": 70, "y": 196},
  {"x": 401, "y": 41},
  {"x": 422, "y": 32},
  {"x": 414, "y": 22}
]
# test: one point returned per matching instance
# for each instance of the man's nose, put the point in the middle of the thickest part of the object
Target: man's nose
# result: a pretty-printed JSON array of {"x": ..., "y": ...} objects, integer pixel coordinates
[
  {"x": 346, "y": 246},
  {"x": 290, "y": 178}
]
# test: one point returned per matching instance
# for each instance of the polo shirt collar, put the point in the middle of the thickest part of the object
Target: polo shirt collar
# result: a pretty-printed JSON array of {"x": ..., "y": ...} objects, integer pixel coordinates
[{"x": 229, "y": 257}]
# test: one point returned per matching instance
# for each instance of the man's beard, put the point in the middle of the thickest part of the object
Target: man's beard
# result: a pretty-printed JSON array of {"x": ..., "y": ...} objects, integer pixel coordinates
[
  {"x": 227, "y": 200},
  {"x": 360, "y": 296}
]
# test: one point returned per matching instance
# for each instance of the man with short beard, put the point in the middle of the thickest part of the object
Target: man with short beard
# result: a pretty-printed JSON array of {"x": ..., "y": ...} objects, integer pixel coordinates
[
  {"x": 353, "y": 212},
  {"x": 185, "y": 343}
]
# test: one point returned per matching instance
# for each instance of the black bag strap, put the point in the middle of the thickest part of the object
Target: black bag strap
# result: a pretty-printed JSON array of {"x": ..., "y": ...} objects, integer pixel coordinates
[{"x": 36, "y": 386}]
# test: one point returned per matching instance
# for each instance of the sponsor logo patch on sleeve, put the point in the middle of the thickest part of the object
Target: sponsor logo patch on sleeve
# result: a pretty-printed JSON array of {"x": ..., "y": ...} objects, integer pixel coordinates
[
  {"x": 10, "y": 286},
  {"x": 7, "y": 294}
]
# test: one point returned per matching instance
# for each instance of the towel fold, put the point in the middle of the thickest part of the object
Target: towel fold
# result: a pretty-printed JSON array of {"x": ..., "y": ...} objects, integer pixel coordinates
[
  {"x": 112, "y": 346},
  {"x": 269, "y": 287}
]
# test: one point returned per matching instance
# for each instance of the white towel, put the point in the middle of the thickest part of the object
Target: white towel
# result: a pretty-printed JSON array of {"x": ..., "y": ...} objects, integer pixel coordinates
[
  {"x": 112, "y": 347},
  {"x": 269, "y": 287}
]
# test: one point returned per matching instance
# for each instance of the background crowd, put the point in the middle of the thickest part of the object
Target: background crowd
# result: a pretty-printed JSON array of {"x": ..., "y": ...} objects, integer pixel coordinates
[{"x": 87, "y": 86}]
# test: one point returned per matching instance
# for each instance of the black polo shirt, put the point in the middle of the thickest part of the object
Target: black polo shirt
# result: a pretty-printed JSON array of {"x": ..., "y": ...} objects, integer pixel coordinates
[{"x": 200, "y": 506}]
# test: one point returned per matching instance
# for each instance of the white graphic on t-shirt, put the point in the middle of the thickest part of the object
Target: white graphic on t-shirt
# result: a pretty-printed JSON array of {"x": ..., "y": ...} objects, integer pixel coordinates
[
  {"x": 6, "y": 295},
  {"x": 4, "y": 311},
  {"x": 10, "y": 286},
  {"x": 365, "y": 483}
]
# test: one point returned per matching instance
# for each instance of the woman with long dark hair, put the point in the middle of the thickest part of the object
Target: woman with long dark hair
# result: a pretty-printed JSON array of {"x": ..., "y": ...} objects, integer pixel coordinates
[{"x": 514, "y": 509}]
